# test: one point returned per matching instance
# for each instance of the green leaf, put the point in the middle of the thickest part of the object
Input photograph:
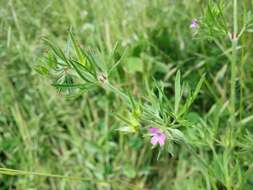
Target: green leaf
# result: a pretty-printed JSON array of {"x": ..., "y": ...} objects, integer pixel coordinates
[
  {"x": 170, "y": 148},
  {"x": 42, "y": 70},
  {"x": 198, "y": 87},
  {"x": 57, "y": 51},
  {"x": 129, "y": 171},
  {"x": 97, "y": 61},
  {"x": 86, "y": 76},
  {"x": 191, "y": 98},
  {"x": 78, "y": 52},
  {"x": 177, "y": 92},
  {"x": 127, "y": 129},
  {"x": 193, "y": 117},
  {"x": 134, "y": 64},
  {"x": 80, "y": 86},
  {"x": 177, "y": 135}
]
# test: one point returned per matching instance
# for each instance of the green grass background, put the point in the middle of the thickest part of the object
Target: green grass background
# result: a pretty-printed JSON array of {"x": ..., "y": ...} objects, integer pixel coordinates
[{"x": 42, "y": 131}]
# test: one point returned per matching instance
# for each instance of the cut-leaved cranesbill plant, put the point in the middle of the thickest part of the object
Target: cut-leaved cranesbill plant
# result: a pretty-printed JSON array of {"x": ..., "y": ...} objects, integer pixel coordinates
[
  {"x": 152, "y": 115},
  {"x": 159, "y": 118},
  {"x": 122, "y": 108}
]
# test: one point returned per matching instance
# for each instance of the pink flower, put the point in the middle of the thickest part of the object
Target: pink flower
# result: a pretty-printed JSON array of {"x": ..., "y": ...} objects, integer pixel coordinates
[
  {"x": 157, "y": 136},
  {"x": 194, "y": 24}
]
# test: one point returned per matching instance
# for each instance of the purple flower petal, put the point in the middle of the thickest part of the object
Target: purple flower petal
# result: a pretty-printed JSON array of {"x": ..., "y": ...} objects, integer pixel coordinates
[
  {"x": 194, "y": 24},
  {"x": 162, "y": 138},
  {"x": 154, "y": 140},
  {"x": 153, "y": 130},
  {"x": 157, "y": 136}
]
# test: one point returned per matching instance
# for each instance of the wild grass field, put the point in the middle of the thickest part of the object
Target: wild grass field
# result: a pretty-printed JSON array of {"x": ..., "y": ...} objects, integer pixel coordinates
[{"x": 126, "y": 94}]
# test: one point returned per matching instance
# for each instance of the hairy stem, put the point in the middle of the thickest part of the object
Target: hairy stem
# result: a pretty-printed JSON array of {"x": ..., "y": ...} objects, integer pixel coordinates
[
  {"x": 227, "y": 153},
  {"x": 233, "y": 62}
]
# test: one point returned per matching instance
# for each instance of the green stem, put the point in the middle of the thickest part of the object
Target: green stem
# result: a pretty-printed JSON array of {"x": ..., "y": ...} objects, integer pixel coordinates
[
  {"x": 13, "y": 172},
  {"x": 233, "y": 62},
  {"x": 234, "y": 39},
  {"x": 235, "y": 24},
  {"x": 117, "y": 91}
]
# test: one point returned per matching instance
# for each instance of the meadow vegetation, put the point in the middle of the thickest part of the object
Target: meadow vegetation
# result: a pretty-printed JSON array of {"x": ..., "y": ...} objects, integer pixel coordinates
[{"x": 126, "y": 94}]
